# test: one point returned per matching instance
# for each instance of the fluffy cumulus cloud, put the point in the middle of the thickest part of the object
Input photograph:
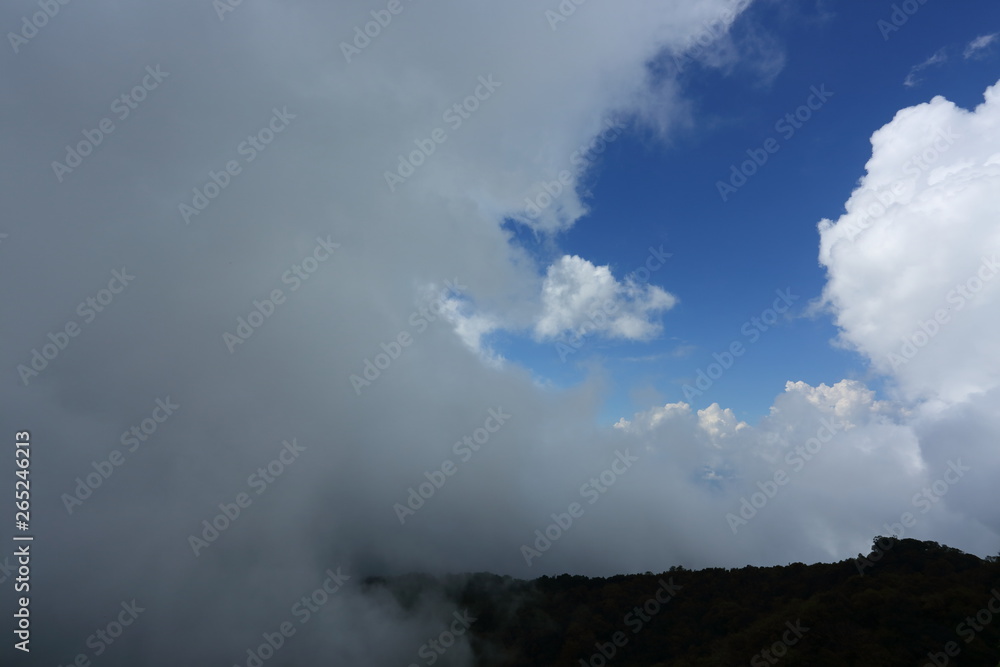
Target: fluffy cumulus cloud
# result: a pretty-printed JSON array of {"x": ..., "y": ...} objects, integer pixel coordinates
[
  {"x": 830, "y": 465},
  {"x": 914, "y": 284},
  {"x": 714, "y": 421},
  {"x": 316, "y": 239},
  {"x": 913, "y": 263},
  {"x": 719, "y": 423},
  {"x": 581, "y": 298}
]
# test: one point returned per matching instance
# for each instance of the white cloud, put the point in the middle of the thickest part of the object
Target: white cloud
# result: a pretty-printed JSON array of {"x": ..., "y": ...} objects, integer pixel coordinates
[
  {"x": 471, "y": 328},
  {"x": 914, "y": 285},
  {"x": 977, "y": 47},
  {"x": 912, "y": 79},
  {"x": 838, "y": 491},
  {"x": 714, "y": 421},
  {"x": 891, "y": 273},
  {"x": 581, "y": 298},
  {"x": 849, "y": 400},
  {"x": 719, "y": 423},
  {"x": 650, "y": 419}
]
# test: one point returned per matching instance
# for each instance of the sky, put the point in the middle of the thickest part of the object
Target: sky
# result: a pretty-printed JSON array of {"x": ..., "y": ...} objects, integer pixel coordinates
[{"x": 525, "y": 288}]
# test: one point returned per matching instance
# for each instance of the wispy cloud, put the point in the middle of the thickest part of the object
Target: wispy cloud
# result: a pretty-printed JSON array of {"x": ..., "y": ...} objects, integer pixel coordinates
[
  {"x": 979, "y": 47},
  {"x": 913, "y": 78},
  {"x": 682, "y": 351}
]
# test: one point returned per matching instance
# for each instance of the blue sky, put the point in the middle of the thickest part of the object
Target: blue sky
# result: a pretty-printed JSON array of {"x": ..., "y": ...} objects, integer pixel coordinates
[{"x": 730, "y": 256}]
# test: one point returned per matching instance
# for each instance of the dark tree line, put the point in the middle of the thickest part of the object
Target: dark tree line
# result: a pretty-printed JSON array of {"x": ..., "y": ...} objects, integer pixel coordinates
[{"x": 905, "y": 603}]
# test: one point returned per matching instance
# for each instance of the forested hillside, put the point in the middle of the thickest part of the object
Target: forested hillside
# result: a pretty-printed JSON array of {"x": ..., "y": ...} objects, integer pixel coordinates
[{"x": 909, "y": 603}]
